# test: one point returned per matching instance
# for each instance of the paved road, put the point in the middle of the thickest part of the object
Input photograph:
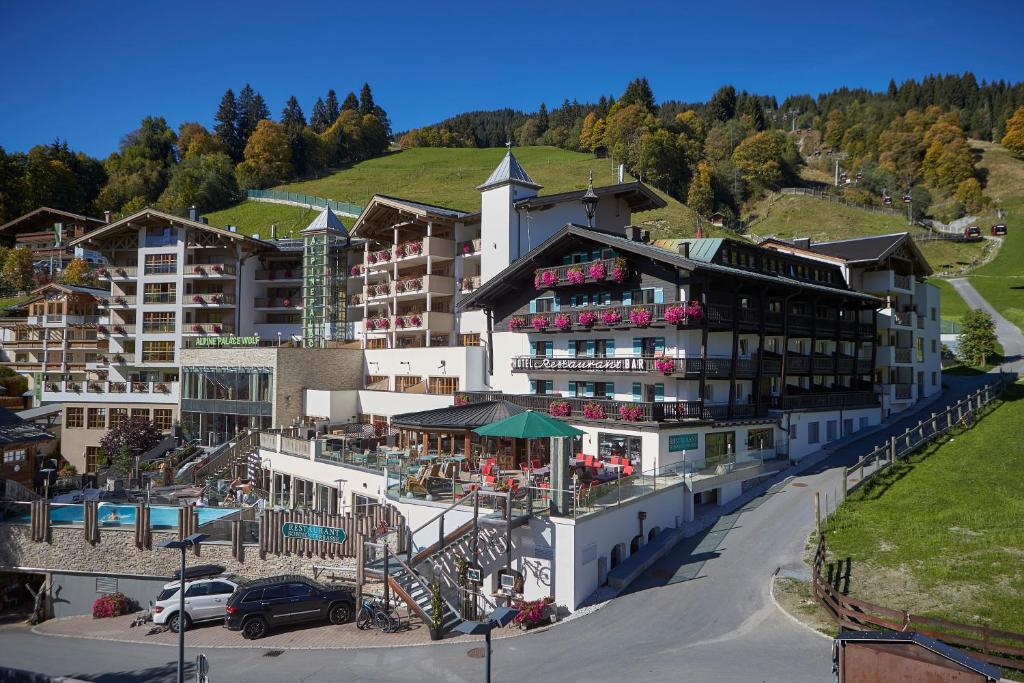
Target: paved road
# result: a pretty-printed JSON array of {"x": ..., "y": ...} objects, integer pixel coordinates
[
  {"x": 1009, "y": 336},
  {"x": 703, "y": 613}
]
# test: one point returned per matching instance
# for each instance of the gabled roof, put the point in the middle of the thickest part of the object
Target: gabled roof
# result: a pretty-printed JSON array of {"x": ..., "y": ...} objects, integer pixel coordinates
[
  {"x": 466, "y": 417},
  {"x": 14, "y": 429},
  {"x": 381, "y": 205},
  {"x": 325, "y": 221},
  {"x": 639, "y": 196},
  {"x": 46, "y": 210},
  {"x": 149, "y": 213},
  {"x": 863, "y": 250},
  {"x": 508, "y": 171},
  {"x": 97, "y": 292},
  {"x": 509, "y": 279}
]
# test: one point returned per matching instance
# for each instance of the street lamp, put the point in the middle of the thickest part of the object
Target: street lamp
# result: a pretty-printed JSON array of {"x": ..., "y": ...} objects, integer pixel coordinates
[
  {"x": 192, "y": 541},
  {"x": 501, "y": 616},
  {"x": 589, "y": 201}
]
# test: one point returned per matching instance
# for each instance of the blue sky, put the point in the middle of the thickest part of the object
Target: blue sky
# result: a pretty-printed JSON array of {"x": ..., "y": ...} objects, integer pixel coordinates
[{"x": 89, "y": 72}]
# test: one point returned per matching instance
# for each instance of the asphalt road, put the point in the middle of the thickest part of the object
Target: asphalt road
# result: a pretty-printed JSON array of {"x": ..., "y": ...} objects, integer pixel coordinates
[
  {"x": 703, "y": 613},
  {"x": 1009, "y": 336}
]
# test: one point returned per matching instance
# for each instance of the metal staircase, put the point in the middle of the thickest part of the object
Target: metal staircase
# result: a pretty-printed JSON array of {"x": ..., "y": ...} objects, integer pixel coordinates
[{"x": 234, "y": 459}]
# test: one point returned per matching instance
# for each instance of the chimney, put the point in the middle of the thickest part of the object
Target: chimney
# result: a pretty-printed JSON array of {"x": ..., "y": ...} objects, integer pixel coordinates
[
  {"x": 645, "y": 236},
  {"x": 684, "y": 249},
  {"x": 802, "y": 242},
  {"x": 106, "y": 216},
  {"x": 232, "y": 228},
  {"x": 633, "y": 233},
  {"x": 273, "y": 231},
  {"x": 622, "y": 173},
  {"x": 193, "y": 214},
  {"x": 204, "y": 220}
]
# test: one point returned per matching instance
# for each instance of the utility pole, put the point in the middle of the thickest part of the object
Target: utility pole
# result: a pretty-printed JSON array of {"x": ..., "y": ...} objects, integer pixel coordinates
[{"x": 793, "y": 114}]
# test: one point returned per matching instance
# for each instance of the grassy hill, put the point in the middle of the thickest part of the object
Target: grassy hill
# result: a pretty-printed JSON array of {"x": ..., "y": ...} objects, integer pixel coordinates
[{"x": 447, "y": 177}]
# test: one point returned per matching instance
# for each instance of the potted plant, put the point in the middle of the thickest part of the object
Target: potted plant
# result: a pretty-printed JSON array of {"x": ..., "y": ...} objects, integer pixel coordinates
[
  {"x": 516, "y": 323},
  {"x": 436, "y": 612},
  {"x": 531, "y": 614},
  {"x": 575, "y": 275},
  {"x": 675, "y": 314},
  {"x": 594, "y": 411},
  {"x": 414, "y": 248},
  {"x": 196, "y": 299},
  {"x": 631, "y": 413},
  {"x": 199, "y": 270},
  {"x": 620, "y": 270},
  {"x": 219, "y": 269},
  {"x": 540, "y": 322},
  {"x": 371, "y": 258},
  {"x": 399, "y": 323},
  {"x": 461, "y": 400},
  {"x": 641, "y": 316},
  {"x": 354, "y": 271},
  {"x": 694, "y": 310},
  {"x": 399, "y": 251},
  {"x": 563, "y": 321},
  {"x": 611, "y": 317},
  {"x": 217, "y": 329},
  {"x": 664, "y": 365},
  {"x": 597, "y": 270},
  {"x": 287, "y": 303},
  {"x": 197, "y": 328},
  {"x": 559, "y": 409},
  {"x": 587, "y": 319},
  {"x": 547, "y": 279},
  {"x": 467, "y": 248},
  {"x": 414, "y": 320}
]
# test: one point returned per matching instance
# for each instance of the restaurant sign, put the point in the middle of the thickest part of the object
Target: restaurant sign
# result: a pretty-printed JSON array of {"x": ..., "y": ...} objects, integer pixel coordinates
[
  {"x": 227, "y": 342},
  {"x": 682, "y": 442},
  {"x": 313, "y": 532},
  {"x": 539, "y": 363}
]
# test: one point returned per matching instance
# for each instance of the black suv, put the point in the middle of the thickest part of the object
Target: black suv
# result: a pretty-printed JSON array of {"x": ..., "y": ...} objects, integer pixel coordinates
[{"x": 258, "y": 606}]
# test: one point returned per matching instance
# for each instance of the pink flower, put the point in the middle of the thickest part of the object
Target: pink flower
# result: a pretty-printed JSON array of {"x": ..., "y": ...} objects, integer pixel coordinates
[
  {"x": 399, "y": 251},
  {"x": 563, "y": 322},
  {"x": 461, "y": 400},
  {"x": 516, "y": 322},
  {"x": 548, "y": 278},
  {"x": 559, "y": 409},
  {"x": 217, "y": 329},
  {"x": 287, "y": 303},
  {"x": 540, "y": 322},
  {"x": 620, "y": 270},
  {"x": 197, "y": 328},
  {"x": 413, "y": 248},
  {"x": 218, "y": 269},
  {"x": 641, "y": 317},
  {"x": 594, "y": 411},
  {"x": 371, "y": 258},
  {"x": 575, "y": 276},
  {"x": 414, "y": 320},
  {"x": 467, "y": 247},
  {"x": 694, "y": 310},
  {"x": 587, "y": 319},
  {"x": 664, "y": 365},
  {"x": 675, "y": 314},
  {"x": 631, "y": 413},
  {"x": 597, "y": 271},
  {"x": 611, "y": 317},
  {"x": 197, "y": 299},
  {"x": 199, "y": 269},
  {"x": 399, "y": 323}
]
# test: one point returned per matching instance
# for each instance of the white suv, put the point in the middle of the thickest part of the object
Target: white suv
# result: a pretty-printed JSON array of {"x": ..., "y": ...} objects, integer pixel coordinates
[{"x": 205, "y": 599}]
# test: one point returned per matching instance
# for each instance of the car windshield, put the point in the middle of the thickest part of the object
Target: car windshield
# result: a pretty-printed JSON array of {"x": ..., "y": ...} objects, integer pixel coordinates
[{"x": 166, "y": 594}]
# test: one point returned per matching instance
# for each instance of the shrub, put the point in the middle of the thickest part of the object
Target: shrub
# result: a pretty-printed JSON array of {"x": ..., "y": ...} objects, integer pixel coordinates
[
  {"x": 575, "y": 276},
  {"x": 597, "y": 271},
  {"x": 110, "y": 605},
  {"x": 559, "y": 409},
  {"x": 563, "y": 322},
  {"x": 587, "y": 319}
]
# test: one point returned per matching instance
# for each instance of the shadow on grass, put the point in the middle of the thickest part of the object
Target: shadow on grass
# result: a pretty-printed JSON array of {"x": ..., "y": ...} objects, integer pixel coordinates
[{"x": 839, "y": 575}]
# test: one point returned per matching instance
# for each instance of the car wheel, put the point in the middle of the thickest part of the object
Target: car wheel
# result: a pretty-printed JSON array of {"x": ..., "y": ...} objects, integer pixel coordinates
[
  {"x": 172, "y": 622},
  {"x": 254, "y": 629},
  {"x": 340, "y": 613}
]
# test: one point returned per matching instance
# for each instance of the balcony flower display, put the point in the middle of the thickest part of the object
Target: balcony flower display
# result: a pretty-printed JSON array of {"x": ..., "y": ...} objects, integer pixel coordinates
[
  {"x": 196, "y": 299},
  {"x": 120, "y": 330},
  {"x": 413, "y": 248},
  {"x": 540, "y": 322},
  {"x": 461, "y": 400},
  {"x": 641, "y": 317},
  {"x": 611, "y": 317},
  {"x": 575, "y": 275},
  {"x": 597, "y": 271},
  {"x": 675, "y": 314},
  {"x": 371, "y": 258},
  {"x": 414, "y": 320},
  {"x": 354, "y": 271},
  {"x": 287, "y": 303},
  {"x": 219, "y": 269},
  {"x": 563, "y": 322},
  {"x": 160, "y": 388},
  {"x": 217, "y": 329},
  {"x": 399, "y": 323},
  {"x": 664, "y": 365},
  {"x": 197, "y": 328},
  {"x": 381, "y": 324},
  {"x": 102, "y": 272},
  {"x": 546, "y": 279},
  {"x": 199, "y": 270},
  {"x": 516, "y": 323},
  {"x": 559, "y": 409},
  {"x": 631, "y": 413},
  {"x": 594, "y": 411},
  {"x": 694, "y": 311},
  {"x": 414, "y": 285},
  {"x": 101, "y": 328},
  {"x": 620, "y": 270},
  {"x": 399, "y": 251},
  {"x": 383, "y": 256},
  {"x": 467, "y": 248},
  {"x": 587, "y": 319}
]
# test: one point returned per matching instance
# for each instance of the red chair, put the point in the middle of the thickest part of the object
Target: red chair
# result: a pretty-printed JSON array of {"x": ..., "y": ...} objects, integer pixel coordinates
[
  {"x": 627, "y": 471},
  {"x": 616, "y": 460},
  {"x": 489, "y": 480},
  {"x": 589, "y": 462},
  {"x": 535, "y": 464},
  {"x": 579, "y": 457}
]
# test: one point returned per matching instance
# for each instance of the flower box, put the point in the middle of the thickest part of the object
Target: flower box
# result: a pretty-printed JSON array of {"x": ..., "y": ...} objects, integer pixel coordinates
[
  {"x": 414, "y": 248},
  {"x": 641, "y": 317},
  {"x": 540, "y": 322},
  {"x": 631, "y": 413},
  {"x": 516, "y": 323},
  {"x": 559, "y": 409},
  {"x": 694, "y": 311},
  {"x": 620, "y": 270},
  {"x": 287, "y": 303},
  {"x": 575, "y": 276},
  {"x": 399, "y": 323},
  {"x": 371, "y": 258},
  {"x": 563, "y": 322},
  {"x": 199, "y": 270},
  {"x": 675, "y": 314},
  {"x": 120, "y": 330},
  {"x": 546, "y": 279},
  {"x": 665, "y": 365},
  {"x": 197, "y": 299},
  {"x": 587, "y": 319},
  {"x": 161, "y": 388},
  {"x": 197, "y": 329},
  {"x": 399, "y": 251},
  {"x": 354, "y": 271},
  {"x": 597, "y": 271},
  {"x": 611, "y": 317},
  {"x": 594, "y": 411},
  {"x": 414, "y": 320},
  {"x": 217, "y": 329},
  {"x": 219, "y": 269},
  {"x": 461, "y": 400},
  {"x": 467, "y": 248}
]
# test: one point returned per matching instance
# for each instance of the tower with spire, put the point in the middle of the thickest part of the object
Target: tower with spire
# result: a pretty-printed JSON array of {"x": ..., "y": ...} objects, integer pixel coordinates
[
  {"x": 324, "y": 242},
  {"x": 504, "y": 231}
]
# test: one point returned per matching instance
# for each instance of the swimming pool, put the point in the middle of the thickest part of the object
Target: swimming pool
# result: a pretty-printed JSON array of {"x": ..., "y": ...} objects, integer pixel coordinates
[{"x": 112, "y": 514}]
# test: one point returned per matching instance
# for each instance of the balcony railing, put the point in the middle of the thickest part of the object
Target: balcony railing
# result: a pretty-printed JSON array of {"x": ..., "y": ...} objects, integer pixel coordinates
[
  {"x": 121, "y": 301},
  {"x": 470, "y": 247},
  {"x": 825, "y": 401},
  {"x": 906, "y": 318},
  {"x": 116, "y": 272},
  {"x": 279, "y": 274},
  {"x": 666, "y": 365},
  {"x": 598, "y": 318},
  {"x": 903, "y": 355},
  {"x": 114, "y": 330},
  {"x": 210, "y": 270},
  {"x": 277, "y": 302},
  {"x": 902, "y": 392},
  {"x": 559, "y": 275},
  {"x": 468, "y": 284},
  {"x": 901, "y": 281},
  {"x": 210, "y": 300},
  {"x": 209, "y": 328}
]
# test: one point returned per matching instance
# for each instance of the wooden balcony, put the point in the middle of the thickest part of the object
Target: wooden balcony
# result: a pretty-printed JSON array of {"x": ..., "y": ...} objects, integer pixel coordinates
[
  {"x": 209, "y": 300},
  {"x": 829, "y": 400},
  {"x": 210, "y": 270},
  {"x": 680, "y": 367},
  {"x": 117, "y": 272},
  {"x": 279, "y": 275},
  {"x": 545, "y": 278},
  {"x": 602, "y": 318}
]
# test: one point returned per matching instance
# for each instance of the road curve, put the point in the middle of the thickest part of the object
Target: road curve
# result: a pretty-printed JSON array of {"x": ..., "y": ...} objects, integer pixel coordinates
[{"x": 1009, "y": 336}]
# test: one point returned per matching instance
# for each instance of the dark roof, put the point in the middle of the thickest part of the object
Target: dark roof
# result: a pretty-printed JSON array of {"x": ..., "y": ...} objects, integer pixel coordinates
[
  {"x": 466, "y": 417},
  {"x": 939, "y": 648},
  {"x": 423, "y": 206},
  {"x": 507, "y": 280},
  {"x": 42, "y": 210},
  {"x": 639, "y": 196},
  {"x": 81, "y": 289},
  {"x": 864, "y": 250},
  {"x": 161, "y": 215},
  {"x": 14, "y": 429}
]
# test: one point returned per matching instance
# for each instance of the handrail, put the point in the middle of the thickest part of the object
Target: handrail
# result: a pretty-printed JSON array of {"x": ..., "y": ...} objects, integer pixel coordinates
[
  {"x": 437, "y": 547},
  {"x": 448, "y": 509}
]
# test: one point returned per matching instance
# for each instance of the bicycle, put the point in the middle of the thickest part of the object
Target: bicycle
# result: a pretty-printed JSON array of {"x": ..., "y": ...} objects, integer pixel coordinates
[{"x": 372, "y": 614}]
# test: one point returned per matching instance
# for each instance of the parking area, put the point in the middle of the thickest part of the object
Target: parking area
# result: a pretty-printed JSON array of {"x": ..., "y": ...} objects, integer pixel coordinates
[{"x": 213, "y": 635}]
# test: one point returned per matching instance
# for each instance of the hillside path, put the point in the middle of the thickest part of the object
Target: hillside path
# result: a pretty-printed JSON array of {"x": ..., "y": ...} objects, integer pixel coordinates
[{"x": 1009, "y": 336}]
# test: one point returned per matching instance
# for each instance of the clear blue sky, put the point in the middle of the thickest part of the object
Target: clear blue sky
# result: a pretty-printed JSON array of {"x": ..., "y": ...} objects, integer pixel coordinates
[{"x": 89, "y": 71}]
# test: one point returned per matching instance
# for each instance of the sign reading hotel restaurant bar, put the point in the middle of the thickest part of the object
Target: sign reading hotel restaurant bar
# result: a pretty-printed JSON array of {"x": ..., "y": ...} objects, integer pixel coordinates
[
  {"x": 682, "y": 442},
  {"x": 313, "y": 532},
  {"x": 227, "y": 342},
  {"x": 613, "y": 364}
]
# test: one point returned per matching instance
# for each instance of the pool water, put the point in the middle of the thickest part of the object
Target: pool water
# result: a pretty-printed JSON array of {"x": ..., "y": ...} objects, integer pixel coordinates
[{"x": 111, "y": 514}]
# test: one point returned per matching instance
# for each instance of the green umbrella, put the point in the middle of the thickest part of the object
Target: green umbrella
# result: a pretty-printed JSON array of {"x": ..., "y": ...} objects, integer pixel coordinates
[{"x": 528, "y": 425}]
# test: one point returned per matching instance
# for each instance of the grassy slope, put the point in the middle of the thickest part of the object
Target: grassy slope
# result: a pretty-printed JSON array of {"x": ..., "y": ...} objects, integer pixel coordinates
[
  {"x": 256, "y": 217},
  {"x": 953, "y": 307},
  {"x": 449, "y": 177},
  {"x": 941, "y": 535}
]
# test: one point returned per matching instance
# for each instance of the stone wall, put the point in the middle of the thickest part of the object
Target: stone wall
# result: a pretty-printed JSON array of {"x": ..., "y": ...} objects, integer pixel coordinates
[{"x": 116, "y": 554}]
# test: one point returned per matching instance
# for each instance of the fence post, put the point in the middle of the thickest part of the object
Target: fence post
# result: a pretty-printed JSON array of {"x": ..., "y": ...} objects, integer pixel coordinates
[
  {"x": 360, "y": 569},
  {"x": 817, "y": 511},
  {"x": 935, "y": 424},
  {"x": 949, "y": 419},
  {"x": 842, "y": 491},
  {"x": 892, "y": 450}
]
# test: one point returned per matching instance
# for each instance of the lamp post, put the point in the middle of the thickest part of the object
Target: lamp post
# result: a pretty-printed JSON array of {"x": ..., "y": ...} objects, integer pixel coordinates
[
  {"x": 502, "y": 616},
  {"x": 189, "y": 542},
  {"x": 589, "y": 201}
]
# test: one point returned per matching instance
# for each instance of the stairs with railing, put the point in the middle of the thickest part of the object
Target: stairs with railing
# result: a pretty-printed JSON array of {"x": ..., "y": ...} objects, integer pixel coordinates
[
  {"x": 14, "y": 492},
  {"x": 231, "y": 460}
]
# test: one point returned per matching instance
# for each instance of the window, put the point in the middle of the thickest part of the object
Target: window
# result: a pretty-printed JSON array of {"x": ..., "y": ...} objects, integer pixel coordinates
[
  {"x": 140, "y": 413},
  {"x": 97, "y": 418},
  {"x": 813, "y": 432},
  {"x": 74, "y": 418},
  {"x": 444, "y": 386},
  {"x": 161, "y": 264},
  {"x": 542, "y": 387},
  {"x": 933, "y": 313},
  {"x": 545, "y": 304},
  {"x": 760, "y": 439},
  {"x": 159, "y": 293},
  {"x": 406, "y": 382},
  {"x": 933, "y": 346},
  {"x": 158, "y": 321},
  {"x": 378, "y": 343},
  {"x": 197, "y": 590},
  {"x": 163, "y": 236},
  {"x": 374, "y": 379},
  {"x": 162, "y": 417},
  {"x": 16, "y": 455},
  {"x": 158, "y": 352},
  {"x": 469, "y": 339},
  {"x": 847, "y": 426},
  {"x": 604, "y": 390},
  {"x": 300, "y": 590},
  {"x": 935, "y": 379},
  {"x": 543, "y": 349},
  {"x": 642, "y": 296},
  {"x": 578, "y": 348},
  {"x": 118, "y": 416},
  {"x": 609, "y": 445},
  {"x": 831, "y": 427},
  {"x": 221, "y": 588},
  {"x": 719, "y": 447},
  {"x": 920, "y": 349},
  {"x": 604, "y": 348},
  {"x": 253, "y": 596},
  {"x": 93, "y": 457},
  {"x": 275, "y": 592}
]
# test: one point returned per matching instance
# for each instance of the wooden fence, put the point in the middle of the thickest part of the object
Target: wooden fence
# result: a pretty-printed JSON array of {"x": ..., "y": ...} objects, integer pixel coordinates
[
  {"x": 272, "y": 540},
  {"x": 1001, "y": 648},
  {"x": 836, "y": 199}
]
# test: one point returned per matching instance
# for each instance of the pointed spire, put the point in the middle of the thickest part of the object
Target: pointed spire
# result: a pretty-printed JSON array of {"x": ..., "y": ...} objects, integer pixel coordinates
[
  {"x": 509, "y": 171},
  {"x": 325, "y": 222}
]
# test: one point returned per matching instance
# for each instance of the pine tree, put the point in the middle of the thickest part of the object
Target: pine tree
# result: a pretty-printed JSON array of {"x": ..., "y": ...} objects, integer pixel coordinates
[
  {"x": 251, "y": 110},
  {"x": 722, "y": 106},
  {"x": 366, "y": 104},
  {"x": 225, "y": 127},
  {"x": 542, "y": 119},
  {"x": 318, "y": 119},
  {"x": 292, "y": 114},
  {"x": 332, "y": 106},
  {"x": 639, "y": 92},
  {"x": 977, "y": 339},
  {"x": 351, "y": 102}
]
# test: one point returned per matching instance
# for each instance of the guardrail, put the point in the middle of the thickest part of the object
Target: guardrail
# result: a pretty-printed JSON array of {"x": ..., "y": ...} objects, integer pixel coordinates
[
  {"x": 275, "y": 197},
  {"x": 836, "y": 199}
]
